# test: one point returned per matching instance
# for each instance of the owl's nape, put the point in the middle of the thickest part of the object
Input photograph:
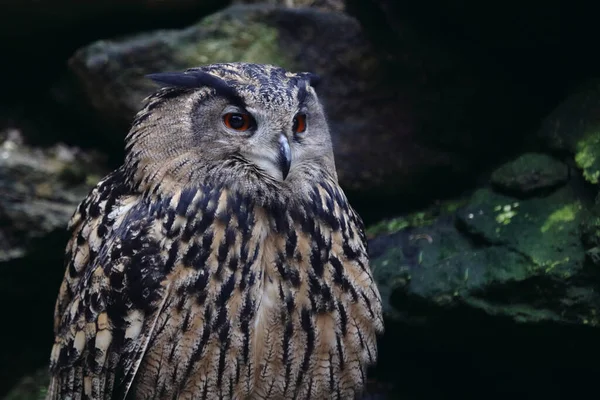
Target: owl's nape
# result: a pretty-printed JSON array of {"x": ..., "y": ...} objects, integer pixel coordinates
[{"x": 222, "y": 259}]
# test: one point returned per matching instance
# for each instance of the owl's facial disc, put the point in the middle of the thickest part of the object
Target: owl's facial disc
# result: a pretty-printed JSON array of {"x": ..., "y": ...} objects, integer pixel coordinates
[
  {"x": 270, "y": 154},
  {"x": 265, "y": 148},
  {"x": 258, "y": 116}
]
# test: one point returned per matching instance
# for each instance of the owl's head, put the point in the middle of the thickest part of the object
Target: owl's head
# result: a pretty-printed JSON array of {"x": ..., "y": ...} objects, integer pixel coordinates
[{"x": 244, "y": 122}]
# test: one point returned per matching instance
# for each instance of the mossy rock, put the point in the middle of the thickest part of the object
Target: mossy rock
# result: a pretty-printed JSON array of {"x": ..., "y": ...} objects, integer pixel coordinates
[
  {"x": 415, "y": 219},
  {"x": 587, "y": 155},
  {"x": 545, "y": 230},
  {"x": 31, "y": 387},
  {"x": 504, "y": 256},
  {"x": 574, "y": 127},
  {"x": 530, "y": 174}
]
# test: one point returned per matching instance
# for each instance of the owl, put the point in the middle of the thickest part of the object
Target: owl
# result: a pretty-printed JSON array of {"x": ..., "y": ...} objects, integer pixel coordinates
[{"x": 222, "y": 259}]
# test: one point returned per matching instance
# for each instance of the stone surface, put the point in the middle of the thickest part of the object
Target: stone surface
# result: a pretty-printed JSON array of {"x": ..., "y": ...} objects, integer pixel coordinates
[
  {"x": 530, "y": 174},
  {"x": 376, "y": 127},
  {"x": 488, "y": 291},
  {"x": 332, "y": 5},
  {"x": 510, "y": 258},
  {"x": 32, "y": 387},
  {"x": 39, "y": 191},
  {"x": 574, "y": 128}
]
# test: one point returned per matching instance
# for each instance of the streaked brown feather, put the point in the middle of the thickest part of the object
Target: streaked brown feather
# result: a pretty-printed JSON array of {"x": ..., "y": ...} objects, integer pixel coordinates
[{"x": 213, "y": 281}]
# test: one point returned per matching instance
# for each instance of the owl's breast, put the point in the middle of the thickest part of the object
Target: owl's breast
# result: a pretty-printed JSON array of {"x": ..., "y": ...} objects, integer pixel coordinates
[
  {"x": 312, "y": 334},
  {"x": 264, "y": 303}
]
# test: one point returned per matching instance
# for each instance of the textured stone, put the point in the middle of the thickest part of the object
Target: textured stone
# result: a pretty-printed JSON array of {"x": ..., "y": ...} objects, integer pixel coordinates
[
  {"x": 574, "y": 128},
  {"x": 490, "y": 291},
  {"x": 530, "y": 174},
  {"x": 32, "y": 387},
  {"x": 39, "y": 191},
  {"x": 331, "y": 5},
  {"x": 510, "y": 258}
]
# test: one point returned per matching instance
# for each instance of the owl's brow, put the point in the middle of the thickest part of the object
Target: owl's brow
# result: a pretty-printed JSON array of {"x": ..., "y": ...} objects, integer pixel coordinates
[{"x": 194, "y": 79}]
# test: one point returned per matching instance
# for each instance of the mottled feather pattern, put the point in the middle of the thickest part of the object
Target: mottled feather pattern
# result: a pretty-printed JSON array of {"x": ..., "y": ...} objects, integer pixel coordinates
[
  {"x": 111, "y": 286},
  {"x": 246, "y": 297},
  {"x": 207, "y": 278}
]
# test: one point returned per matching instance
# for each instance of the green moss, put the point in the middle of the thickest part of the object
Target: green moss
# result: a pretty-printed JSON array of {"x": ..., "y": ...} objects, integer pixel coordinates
[
  {"x": 417, "y": 219},
  {"x": 233, "y": 40},
  {"x": 587, "y": 156},
  {"x": 548, "y": 265},
  {"x": 504, "y": 213},
  {"x": 389, "y": 226},
  {"x": 567, "y": 213},
  {"x": 452, "y": 206}
]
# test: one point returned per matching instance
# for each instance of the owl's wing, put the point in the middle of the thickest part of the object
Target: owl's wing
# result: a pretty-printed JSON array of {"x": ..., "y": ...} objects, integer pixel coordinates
[{"x": 106, "y": 310}]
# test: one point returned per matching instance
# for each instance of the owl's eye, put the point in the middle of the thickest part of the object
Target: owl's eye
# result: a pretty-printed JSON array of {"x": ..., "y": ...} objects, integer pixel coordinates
[
  {"x": 238, "y": 121},
  {"x": 299, "y": 125}
]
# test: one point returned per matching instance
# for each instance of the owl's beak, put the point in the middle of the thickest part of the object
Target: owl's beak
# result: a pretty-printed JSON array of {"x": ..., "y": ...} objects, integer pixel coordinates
[{"x": 285, "y": 155}]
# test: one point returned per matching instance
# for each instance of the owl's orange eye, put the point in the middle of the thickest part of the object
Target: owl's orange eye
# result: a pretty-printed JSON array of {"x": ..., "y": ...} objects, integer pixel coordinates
[
  {"x": 237, "y": 121},
  {"x": 299, "y": 123}
]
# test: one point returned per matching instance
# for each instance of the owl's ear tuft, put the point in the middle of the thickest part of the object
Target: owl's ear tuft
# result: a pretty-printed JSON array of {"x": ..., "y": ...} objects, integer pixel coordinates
[
  {"x": 313, "y": 79},
  {"x": 193, "y": 79},
  {"x": 176, "y": 79}
]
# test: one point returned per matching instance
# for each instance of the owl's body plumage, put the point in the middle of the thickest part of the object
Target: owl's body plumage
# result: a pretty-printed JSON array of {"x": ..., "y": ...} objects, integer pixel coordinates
[{"x": 209, "y": 267}]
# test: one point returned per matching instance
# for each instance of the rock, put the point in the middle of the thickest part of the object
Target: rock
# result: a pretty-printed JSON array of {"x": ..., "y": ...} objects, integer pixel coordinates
[
  {"x": 530, "y": 174},
  {"x": 39, "y": 191},
  {"x": 416, "y": 219},
  {"x": 375, "y": 126},
  {"x": 31, "y": 387},
  {"x": 489, "y": 291},
  {"x": 574, "y": 128},
  {"x": 331, "y": 5},
  {"x": 41, "y": 188},
  {"x": 510, "y": 258}
]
